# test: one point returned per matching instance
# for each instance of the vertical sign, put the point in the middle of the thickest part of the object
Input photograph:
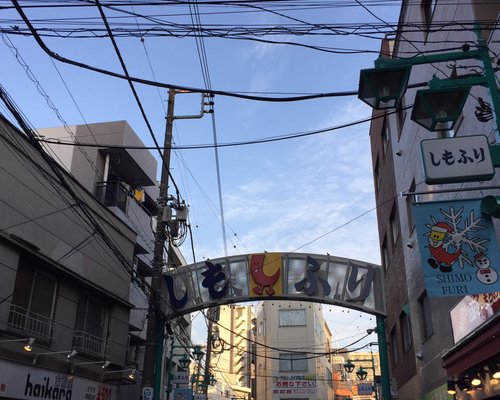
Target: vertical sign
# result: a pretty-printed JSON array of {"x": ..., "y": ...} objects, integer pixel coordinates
[{"x": 458, "y": 248}]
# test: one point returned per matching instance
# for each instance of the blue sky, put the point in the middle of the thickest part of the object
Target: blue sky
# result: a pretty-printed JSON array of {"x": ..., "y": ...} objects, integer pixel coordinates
[{"x": 312, "y": 194}]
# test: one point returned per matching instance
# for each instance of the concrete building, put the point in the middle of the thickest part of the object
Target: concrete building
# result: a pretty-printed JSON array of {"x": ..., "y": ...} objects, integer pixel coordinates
[
  {"x": 75, "y": 241},
  {"x": 231, "y": 360},
  {"x": 293, "y": 352},
  {"x": 424, "y": 350}
]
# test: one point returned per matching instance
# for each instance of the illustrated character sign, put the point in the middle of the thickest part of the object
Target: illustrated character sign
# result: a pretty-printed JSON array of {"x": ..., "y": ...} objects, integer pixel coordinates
[
  {"x": 260, "y": 266},
  {"x": 441, "y": 257},
  {"x": 485, "y": 273},
  {"x": 459, "y": 243}
]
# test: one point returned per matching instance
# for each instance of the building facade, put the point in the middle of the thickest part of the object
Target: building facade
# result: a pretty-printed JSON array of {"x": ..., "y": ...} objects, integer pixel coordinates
[
  {"x": 231, "y": 362},
  {"x": 425, "y": 353},
  {"x": 76, "y": 244},
  {"x": 293, "y": 352}
]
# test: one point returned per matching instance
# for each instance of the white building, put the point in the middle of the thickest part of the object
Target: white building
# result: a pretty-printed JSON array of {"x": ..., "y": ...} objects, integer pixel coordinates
[{"x": 293, "y": 352}]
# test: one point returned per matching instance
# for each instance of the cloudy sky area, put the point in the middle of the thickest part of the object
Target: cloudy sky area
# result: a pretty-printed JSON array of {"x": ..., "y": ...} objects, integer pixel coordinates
[{"x": 312, "y": 194}]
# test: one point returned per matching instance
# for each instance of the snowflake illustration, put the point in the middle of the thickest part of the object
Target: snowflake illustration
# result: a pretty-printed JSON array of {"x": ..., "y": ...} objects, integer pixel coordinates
[{"x": 462, "y": 235}]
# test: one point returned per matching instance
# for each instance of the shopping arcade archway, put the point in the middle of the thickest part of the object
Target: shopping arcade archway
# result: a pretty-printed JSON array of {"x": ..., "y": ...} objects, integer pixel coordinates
[{"x": 317, "y": 278}]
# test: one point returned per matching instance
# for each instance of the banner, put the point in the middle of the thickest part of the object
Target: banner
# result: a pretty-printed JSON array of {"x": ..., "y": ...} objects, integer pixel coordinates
[{"x": 458, "y": 248}]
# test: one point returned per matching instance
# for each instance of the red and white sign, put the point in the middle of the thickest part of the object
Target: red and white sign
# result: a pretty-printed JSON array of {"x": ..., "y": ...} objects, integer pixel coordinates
[{"x": 30, "y": 383}]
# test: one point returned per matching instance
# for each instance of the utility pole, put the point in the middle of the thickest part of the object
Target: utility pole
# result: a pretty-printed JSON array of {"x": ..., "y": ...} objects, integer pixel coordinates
[
  {"x": 155, "y": 327},
  {"x": 155, "y": 332}
]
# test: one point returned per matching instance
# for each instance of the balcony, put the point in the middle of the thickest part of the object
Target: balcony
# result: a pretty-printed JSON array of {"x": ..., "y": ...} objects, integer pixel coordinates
[
  {"x": 86, "y": 343},
  {"x": 30, "y": 323},
  {"x": 112, "y": 194}
]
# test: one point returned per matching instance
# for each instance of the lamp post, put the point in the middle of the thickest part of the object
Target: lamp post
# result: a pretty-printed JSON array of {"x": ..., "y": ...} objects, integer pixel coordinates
[
  {"x": 361, "y": 373},
  {"x": 383, "y": 86},
  {"x": 184, "y": 361}
]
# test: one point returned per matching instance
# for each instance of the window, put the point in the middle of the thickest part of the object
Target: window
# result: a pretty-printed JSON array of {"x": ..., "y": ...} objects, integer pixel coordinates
[
  {"x": 409, "y": 207},
  {"x": 394, "y": 347},
  {"x": 401, "y": 116},
  {"x": 376, "y": 176},
  {"x": 425, "y": 315},
  {"x": 292, "y": 317},
  {"x": 290, "y": 362},
  {"x": 90, "y": 326},
  {"x": 404, "y": 323},
  {"x": 385, "y": 254},
  {"x": 385, "y": 137},
  {"x": 33, "y": 300},
  {"x": 90, "y": 316},
  {"x": 394, "y": 224}
]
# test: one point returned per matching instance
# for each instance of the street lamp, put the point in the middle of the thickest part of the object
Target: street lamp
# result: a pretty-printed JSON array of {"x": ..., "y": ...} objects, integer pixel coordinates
[
  {"x": 382, "y": 89},
  {"x": 184, "y": 361},
  {"x": 383, "y": 86},
  {"x": 439, "y": 109},
  {"x": 361, "y": 373}
]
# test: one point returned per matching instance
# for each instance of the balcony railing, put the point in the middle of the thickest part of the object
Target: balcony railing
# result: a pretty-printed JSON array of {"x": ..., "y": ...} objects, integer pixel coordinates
[
  {"x": 84, "y": 342},
  {"x": 30, "y": 323},
  {"x": 112, "y": 194}
]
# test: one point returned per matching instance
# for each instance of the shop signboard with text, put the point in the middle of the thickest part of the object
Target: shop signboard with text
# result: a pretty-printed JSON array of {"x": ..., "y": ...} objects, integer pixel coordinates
[{"x": 24, "y": 382}]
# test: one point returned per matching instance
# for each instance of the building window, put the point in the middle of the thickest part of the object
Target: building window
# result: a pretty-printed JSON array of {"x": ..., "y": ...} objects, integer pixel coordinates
[
  {"x": 404, "y": 323},
  {"x": 394, "y": 224},
  {"x": 33, "y": 301},
  {"x": 385, "y": 137},
  {"x": 90, "y": 326},
  {"x": 401, "y": 116},
  {"x": 376, "y": 176},
  {"x": 425, "y": 315},
  {"x": 394, "y": 347},
  {"x": 385, "y": 254},
  {"x": 410, "y": 199},
  {"x": 293, "y": 362},
  {"x": 292, "y": 317}
]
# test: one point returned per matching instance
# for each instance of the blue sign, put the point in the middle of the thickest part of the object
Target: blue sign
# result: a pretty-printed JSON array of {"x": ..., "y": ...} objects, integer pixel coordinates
[
  {"x": 183, "y": 394},
  {"x": 458, "y": 248}
]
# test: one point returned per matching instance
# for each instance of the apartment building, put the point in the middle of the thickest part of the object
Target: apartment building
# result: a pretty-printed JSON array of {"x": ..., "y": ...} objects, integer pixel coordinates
[
  {"x": 293, "y": 352},
  {"x": 76, "y": 243},
  {"x": 435, "y": 344},
  {"x": 231, "y": 362}
]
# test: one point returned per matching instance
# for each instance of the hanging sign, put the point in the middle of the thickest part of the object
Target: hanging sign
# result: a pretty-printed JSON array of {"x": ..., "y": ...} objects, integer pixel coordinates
[
  {"x": 457, "y": 159},
  {"x": 458, "y": 248}
]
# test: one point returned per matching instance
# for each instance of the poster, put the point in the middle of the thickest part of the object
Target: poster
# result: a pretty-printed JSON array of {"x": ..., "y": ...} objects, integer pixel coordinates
[{"x": 458, "y": 248}]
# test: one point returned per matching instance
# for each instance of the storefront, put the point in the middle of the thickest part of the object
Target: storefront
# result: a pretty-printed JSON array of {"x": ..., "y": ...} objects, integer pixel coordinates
[
  {"x": 18, "y": 381},
  {"x": 473, "y": 363}
]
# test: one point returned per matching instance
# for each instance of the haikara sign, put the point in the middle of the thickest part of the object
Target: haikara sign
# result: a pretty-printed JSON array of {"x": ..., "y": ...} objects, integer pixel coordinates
[
  {"x": 457, "y": 159},
  {"x": 292, "y": 276},
  {"x": 458, "y": 248},
  {"x": 25, "y": 382}
]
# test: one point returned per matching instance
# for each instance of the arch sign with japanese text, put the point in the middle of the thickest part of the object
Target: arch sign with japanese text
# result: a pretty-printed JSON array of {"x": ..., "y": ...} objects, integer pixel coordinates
[{"x": 291, "y": 276}]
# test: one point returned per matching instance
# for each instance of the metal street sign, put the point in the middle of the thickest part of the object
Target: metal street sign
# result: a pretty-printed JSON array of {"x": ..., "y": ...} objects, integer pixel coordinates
[
  {"x": 457, "y": 159},
  {"x": 365, "y": 388},
  {"x": 181, "y": 378}
]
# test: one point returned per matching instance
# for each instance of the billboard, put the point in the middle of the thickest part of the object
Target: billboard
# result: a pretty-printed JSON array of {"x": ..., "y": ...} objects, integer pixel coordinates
[{"x": 458, "y": 248}]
